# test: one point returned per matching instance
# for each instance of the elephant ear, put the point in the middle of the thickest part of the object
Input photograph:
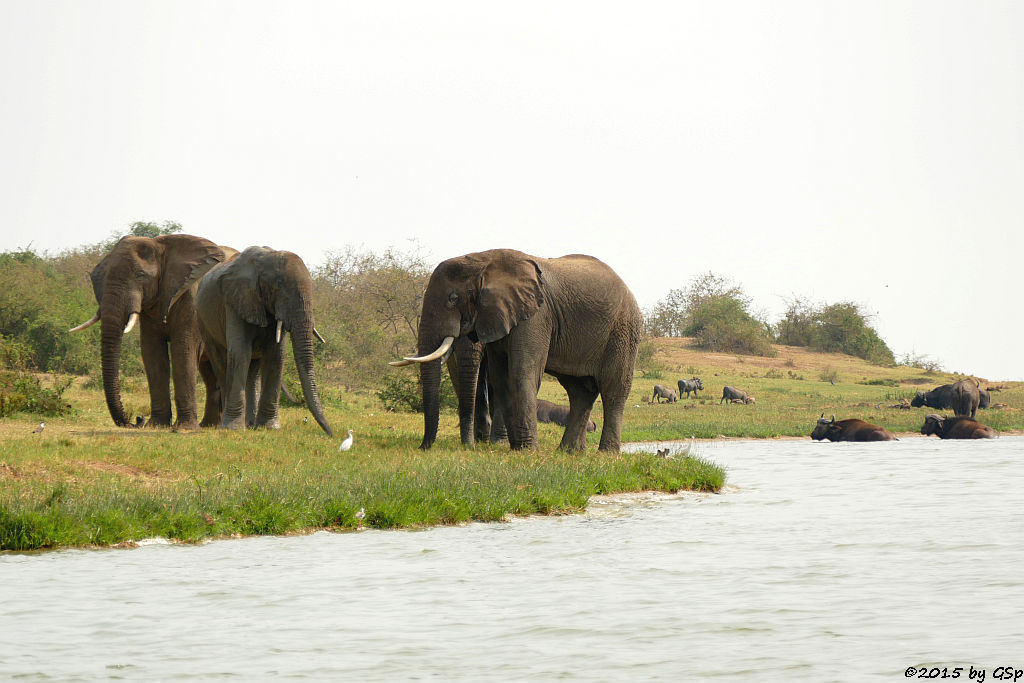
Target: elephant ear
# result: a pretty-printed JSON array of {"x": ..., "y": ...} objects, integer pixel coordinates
[
  {"x": 185, "y": 260},
  {"x": 509, "y": 292},
  {"x": 241, "y": 288}
]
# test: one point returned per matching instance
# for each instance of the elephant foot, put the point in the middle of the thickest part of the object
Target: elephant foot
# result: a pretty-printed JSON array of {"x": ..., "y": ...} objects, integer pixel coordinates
[
  {"x": 186, "y": 426},
  {"x": 273, "y": 424}
]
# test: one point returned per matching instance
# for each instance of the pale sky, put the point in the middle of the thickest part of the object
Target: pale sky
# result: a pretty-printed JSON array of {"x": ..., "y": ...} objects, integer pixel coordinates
[{"x": 870, "y": 151}]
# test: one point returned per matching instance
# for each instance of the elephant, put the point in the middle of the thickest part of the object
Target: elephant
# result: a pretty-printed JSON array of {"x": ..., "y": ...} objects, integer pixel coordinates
[
  {"x": 243, "y": 306},
  {"x": 558, "y": 414},
  {"x": 152, "y": 281},
  {"x": 572, "y": 317}
]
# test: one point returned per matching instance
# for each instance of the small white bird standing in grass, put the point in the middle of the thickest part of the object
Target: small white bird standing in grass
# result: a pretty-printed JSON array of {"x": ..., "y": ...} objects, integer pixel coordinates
[
  {"x": 39, "y": 429},
  {"x": 361, "y": 514},
  {"x": 347, "y": 443}
]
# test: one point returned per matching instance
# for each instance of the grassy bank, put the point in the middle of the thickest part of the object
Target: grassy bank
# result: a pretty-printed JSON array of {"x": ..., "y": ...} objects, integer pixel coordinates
[
  {"x": 83, "y": 482},
  {"x": 792, "y": 390}
]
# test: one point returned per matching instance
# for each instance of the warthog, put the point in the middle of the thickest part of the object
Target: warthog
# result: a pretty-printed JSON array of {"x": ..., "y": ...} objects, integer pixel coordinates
[
  {"x": 688, "y": 385},
  {"x": 849, "y": 430},
  {"x": 663, "y": 392},
  {"x": 734, "y": 395},
  {"x": 956, "y": 428},
  {"x": 939, "y": 398},
  {"x": 966, "y": 396},
  {"x": 558, "y": 414}
]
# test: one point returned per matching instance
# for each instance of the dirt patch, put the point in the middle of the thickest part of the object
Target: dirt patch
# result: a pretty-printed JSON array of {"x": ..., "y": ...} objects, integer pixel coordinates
[{"x": 8, "y": 472}]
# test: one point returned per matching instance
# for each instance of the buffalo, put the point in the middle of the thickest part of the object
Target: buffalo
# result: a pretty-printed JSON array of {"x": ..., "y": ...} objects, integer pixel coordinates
[
  {"x": 558, "y": 414},
  {"x": 984, "y": 398},
  {"x": 688, "y": 385},
  {"x": 663, "y": 392},
  {"x": 849, "y": 430},
  {"x": 734, "y": 395},
  {"x": 940, "y": 398},
  {"x": 966, "y": 396},
  {"x": 956, "y": 428}
]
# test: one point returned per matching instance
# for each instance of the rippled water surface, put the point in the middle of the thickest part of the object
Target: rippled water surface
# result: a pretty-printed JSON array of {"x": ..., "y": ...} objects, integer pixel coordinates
[{"x": 820, "y": 562}]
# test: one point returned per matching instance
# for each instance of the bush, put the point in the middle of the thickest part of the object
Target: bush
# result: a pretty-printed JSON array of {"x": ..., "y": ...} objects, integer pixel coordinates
[
  {"x": 400, "y": 392},
  {"x": 828, "y": 374},
  {"x": 840, "y": 327},
  {"x": 23, "y": 393}
]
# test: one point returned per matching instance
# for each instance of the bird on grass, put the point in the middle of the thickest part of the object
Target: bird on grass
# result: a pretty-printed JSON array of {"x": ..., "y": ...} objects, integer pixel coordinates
[
  {"x": 347, "y": 443},
  {"x": 39, "y": 429},
  {"x": 361, "y": 514}
]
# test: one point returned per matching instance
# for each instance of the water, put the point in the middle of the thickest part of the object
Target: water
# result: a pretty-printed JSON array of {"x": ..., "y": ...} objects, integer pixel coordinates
[{"x": 820, "y": 562}]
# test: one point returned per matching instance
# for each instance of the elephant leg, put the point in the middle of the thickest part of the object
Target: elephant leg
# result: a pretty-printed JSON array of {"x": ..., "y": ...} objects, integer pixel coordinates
[
  {"x": 482, "y": 413},
  {"x": 158, "y": 377},
  {"x": 582, "y": 393},
  {"x": 239, "y": 357},
  {"x": 252, "y": 392},
  {"x": 271, "y": 372},
  {"x": 520, "y": 407},
  {"x": 184, "y": 366},
  {"x": 212, "y": 410},
  {"x": 615, "y": 382}
]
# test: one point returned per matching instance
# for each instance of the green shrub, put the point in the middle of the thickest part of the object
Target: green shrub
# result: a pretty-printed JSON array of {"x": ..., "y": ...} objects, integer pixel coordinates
[
  {"x": 21, "y": 392},
  {"x": 828, "y": 374},
  {"x": 400, "y": 392},
  {"x": 887, "y": 382}
]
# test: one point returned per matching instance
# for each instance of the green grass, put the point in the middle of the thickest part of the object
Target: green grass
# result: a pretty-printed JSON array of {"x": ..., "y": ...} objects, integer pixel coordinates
[
  {"x": 84, "y": 482},
  {"x": 92, "y": 485}
]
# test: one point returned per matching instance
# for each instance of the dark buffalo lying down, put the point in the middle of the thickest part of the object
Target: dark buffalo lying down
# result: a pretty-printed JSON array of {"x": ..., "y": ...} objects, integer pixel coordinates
[
  {"x": 956, "y": 428},
  {"x": 850, "y": 430},
  {"x": 558, "y": 414}
]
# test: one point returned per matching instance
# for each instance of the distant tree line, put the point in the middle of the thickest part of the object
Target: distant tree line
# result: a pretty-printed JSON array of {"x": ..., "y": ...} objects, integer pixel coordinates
[
  {"x": 367, "y": 307},
  {"x": 717, "y": 313}
]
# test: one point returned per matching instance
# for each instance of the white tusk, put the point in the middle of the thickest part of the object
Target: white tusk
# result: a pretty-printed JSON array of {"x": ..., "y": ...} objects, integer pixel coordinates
[
  {"x": 441, "y": 350},
  {"x": 132, "y": 319},
  {"x": 89, "y": 323},
  {"x": 322, "y": 341},
  {"x": 278, "y": 332},
  {"x": 400, "y": 363}
]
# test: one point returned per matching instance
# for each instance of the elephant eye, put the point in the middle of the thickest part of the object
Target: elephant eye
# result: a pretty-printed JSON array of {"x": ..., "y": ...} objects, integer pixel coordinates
[
  {"x": 453, "y": 298},
  {"x": 140, "y": 275}
]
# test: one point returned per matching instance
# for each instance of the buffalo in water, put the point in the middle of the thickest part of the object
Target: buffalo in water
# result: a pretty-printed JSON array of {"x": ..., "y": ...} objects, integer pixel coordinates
[
  {"x": 966, "y": 396},
  {"x": 663, "y": 392},
  {"x": 558, "y": 414},
  {"x": 956, "y": 428},
  {"x": 688, "y": 385},
  {"x": 849, "y": 430},
  {"x": 734, "y": 395}
]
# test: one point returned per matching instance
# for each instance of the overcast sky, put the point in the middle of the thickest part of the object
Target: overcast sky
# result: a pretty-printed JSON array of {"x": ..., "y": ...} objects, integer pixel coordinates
[{"x": 864, "y": 151}]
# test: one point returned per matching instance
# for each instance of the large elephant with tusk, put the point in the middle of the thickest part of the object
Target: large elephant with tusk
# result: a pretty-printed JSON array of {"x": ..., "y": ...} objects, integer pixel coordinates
[
  {"x": 151, "y": 282},
  {"x": 244, "y": 306},
  {"x": 571, "y": 317}
]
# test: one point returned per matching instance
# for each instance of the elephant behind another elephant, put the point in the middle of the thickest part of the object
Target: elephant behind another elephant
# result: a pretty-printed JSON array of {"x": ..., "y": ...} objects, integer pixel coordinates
[
  {"x": 244, "y": 306},
  {"x": 558, "y": 414}
]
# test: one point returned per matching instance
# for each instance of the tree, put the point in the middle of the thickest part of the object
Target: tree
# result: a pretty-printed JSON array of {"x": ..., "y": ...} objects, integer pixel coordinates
[
  {"x": 715, "y": 311},
  {"x": 841, "y": 327}
]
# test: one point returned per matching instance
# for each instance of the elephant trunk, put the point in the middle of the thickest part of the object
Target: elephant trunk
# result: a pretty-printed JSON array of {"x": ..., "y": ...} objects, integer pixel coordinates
[
  {"x": 112, "y": 326},
  {"x": 430, "y": 383},
  {"x": 302, "y": 349}
]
